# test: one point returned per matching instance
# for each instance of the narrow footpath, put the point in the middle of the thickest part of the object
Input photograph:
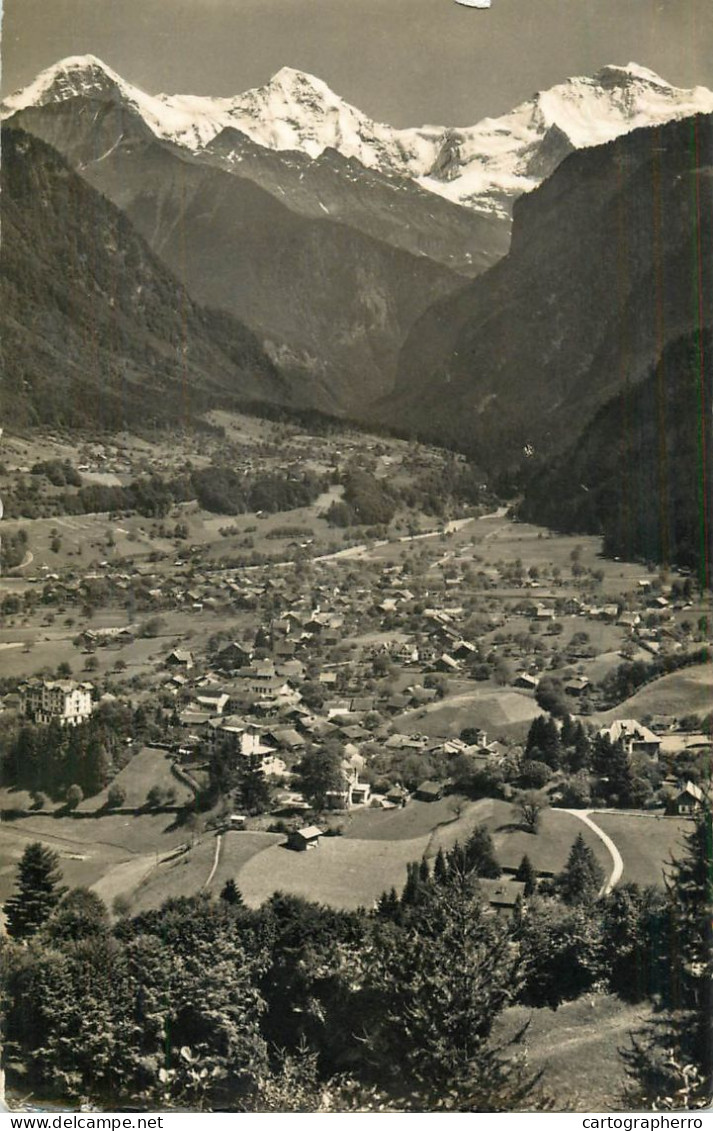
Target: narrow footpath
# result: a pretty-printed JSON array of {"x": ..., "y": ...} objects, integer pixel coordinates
[{"x": 216, "y": 858}]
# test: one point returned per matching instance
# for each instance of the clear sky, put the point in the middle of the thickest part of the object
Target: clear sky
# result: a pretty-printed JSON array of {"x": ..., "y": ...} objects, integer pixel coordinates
[{"x": 406, "y": 62}]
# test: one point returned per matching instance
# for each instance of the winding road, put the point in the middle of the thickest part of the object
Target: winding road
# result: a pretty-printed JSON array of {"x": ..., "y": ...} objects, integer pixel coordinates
[{"x": 618, "y": 868}]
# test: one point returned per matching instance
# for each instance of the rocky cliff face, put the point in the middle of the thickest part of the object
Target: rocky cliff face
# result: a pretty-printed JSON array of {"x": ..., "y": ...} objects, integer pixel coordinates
[
  {"x": 332, "y": 303},
  {"x": 611, "y": 259},
  {"x": 641, "y": 472}
]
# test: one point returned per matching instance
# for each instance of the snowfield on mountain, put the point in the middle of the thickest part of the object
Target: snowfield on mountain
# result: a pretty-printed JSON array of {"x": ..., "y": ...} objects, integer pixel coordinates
[{"x": 485, "y": 166}]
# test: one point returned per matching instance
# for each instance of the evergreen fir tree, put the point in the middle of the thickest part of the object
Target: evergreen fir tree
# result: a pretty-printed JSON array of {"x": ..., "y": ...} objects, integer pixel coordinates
[
  {"x": 230, "y": 893},
  {"x": 536, "y": 736},
  {"x": 527, "y": 875},
  {"x": 39, "y": 891},
  {"x": 582, "y": 876},
  {"x": 480, "y": 854},
  {"x": 440, "y": 868},
  {"x": 621, "y": 777},
  {"x": 442, "y": 983},
  {"x": 411, "y": 894},
  {"x": 253, "y": 791},
  {"x": 568, "y": 732},
  {"x": 602, "y": 754},
  {"x": 582, "y": 754},
  {"x": 669, "y": 1062},
  {"x": 457, "y": 861},
  {"x": 388, "y": 906}
]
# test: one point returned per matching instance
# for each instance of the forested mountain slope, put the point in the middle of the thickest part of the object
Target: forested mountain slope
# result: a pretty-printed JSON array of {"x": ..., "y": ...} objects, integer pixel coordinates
[{"x": 95, "y": 330}]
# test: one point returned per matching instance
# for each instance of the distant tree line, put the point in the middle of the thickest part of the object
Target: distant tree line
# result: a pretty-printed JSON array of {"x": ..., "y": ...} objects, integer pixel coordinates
[
  {"x": 13, "y": 548},
  {"x": 219, "y": 488}
]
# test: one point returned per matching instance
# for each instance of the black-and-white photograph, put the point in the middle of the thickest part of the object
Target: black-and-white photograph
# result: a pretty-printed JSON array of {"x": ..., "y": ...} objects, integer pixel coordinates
[{"x": 356, "y": 464}]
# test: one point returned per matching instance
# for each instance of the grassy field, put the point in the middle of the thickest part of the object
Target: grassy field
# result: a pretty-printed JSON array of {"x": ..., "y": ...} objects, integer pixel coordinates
[
  {"x": 577, "y": 1046},
  {"x": 148, "y": 768},
  {"x": 685, "y": 692},
  {"x": 646, "y": 842},
  {"x": 418, "y": 818},
  {"x": 179, "y": 875},
  {"x": 237, "y": 848},
  {"x": 340, "y": 872},
  {"x": 88, "y": 849},
  {"x": 505, "y": 712},
  {"x": 354, "y": 869},
  {"x": 549, "y": 847}
]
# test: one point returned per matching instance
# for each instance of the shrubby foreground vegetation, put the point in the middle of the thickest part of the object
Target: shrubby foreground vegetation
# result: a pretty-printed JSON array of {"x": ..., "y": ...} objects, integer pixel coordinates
[{"x": 206, "y": 1004}]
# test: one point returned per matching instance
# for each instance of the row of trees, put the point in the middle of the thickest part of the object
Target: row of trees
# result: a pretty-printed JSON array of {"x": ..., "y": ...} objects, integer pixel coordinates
[{"x": 218, "y": 488}]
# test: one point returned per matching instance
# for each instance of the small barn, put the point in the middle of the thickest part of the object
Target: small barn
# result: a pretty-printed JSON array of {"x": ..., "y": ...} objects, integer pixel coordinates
[
  {"x": 302, "y": 839},
  {"x": 429, "y": 791},
  {"x": 397, "y": 795},
  {"x": 526, "y": 681},
  {"x": 577, "y": 685},
  {"x": 502, "y": 895}
]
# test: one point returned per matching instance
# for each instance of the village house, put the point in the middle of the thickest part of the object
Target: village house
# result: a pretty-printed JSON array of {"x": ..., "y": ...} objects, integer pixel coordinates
[
  {"x": 233, "y": 657},
  {"x": 285, "y": 738},
  {"x": 63, "y": 700},
  {"x": 398, "y": 796},
  {"x": 688, "y": 801},
  {"x": 215, "y": 703},
  {"x": 421, "y": 695},
  {"x": 179, "y": 658},
  {"x": 577, "y": 685},
  {"x": 463, "y": 650},
  {"x": 248, "y": 740},
  {"x": 415, "y": 742},
  {"x": 629, "y": 620},
  {"x": 544, "y": 612},
  {"x": 502, "y": 895},
  {"x": 636, "y": 738}
]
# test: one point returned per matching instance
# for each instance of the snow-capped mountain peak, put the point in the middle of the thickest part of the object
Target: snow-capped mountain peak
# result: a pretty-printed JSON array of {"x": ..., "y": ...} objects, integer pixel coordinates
[
  {"x": 501, "y": 158},
  {"x": 188, "y": 120},
  {"x": 485, "y": 166},
  {"x": 70, "y": 78},
  {"x": 612, "y": 73}
]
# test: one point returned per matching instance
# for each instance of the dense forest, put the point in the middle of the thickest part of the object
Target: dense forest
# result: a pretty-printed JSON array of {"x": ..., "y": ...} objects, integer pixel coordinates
[
  {"x": 641, "y": 474},
  {"x": 49, "y": 758},
  {"x": 205, "y": 1004},
  {"x": 95, "y": 331}
]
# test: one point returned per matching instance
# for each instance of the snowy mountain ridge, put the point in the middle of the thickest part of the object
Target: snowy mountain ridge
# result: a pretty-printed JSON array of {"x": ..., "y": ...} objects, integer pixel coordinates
[{"x": 485, "y": 166}]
